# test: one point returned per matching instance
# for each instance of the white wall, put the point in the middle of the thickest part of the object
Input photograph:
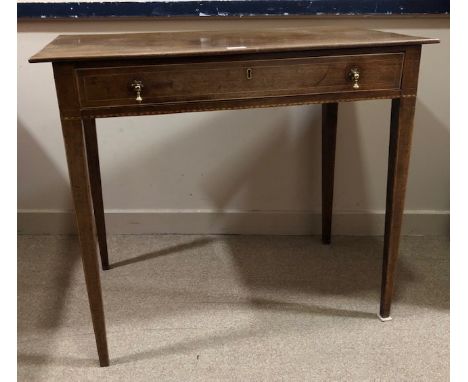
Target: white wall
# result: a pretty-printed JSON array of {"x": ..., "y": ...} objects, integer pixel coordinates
[{"x": 255, "y": 171}]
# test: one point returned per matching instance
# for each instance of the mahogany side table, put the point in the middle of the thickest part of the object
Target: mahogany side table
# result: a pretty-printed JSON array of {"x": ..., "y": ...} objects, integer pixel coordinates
[{"x": 113, "y": 75}]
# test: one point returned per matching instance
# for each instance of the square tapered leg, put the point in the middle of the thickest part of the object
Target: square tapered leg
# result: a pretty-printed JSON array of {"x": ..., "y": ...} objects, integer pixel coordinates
[{"x": 80, "y": 184}]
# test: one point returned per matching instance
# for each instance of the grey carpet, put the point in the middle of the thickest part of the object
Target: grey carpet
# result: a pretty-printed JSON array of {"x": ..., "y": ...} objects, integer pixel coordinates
[{"x": 235, "y": 308}]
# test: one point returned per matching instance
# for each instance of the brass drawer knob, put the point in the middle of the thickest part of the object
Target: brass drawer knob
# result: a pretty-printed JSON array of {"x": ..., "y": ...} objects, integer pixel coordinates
[
  {"x": 137, "y": 87},
  {"x": 354, "y": 76}
]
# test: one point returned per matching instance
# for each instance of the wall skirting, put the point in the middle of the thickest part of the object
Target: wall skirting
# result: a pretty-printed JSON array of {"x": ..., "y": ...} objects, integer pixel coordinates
[{"x": 420, "y": 222}]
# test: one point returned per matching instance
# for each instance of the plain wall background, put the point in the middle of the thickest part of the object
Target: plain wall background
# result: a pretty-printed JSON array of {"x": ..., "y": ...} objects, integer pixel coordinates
[{"x": 250, "y": 171}]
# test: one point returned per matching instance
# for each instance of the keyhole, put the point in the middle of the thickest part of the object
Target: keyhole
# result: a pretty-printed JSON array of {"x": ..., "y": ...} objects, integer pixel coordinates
[{"x": 249, "y": 74}]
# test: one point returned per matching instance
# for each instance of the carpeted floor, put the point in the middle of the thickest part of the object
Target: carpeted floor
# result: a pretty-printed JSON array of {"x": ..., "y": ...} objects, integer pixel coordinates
[{"x": 235, "y": 308}]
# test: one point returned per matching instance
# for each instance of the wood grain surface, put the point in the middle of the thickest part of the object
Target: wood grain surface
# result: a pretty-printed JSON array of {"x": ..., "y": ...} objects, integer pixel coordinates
[
  {"x": 196, "y": 71},
  {"x": 163, "y": 44}
]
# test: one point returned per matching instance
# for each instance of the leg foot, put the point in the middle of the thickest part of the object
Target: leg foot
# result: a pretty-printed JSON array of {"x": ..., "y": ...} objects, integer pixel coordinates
[
  {"x": 104, "y": 362},
  {"x": 384, "y": 319}
]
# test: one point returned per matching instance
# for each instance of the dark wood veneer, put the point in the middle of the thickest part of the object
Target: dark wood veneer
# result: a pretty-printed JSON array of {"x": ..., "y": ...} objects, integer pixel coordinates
[
  {"x": 197, "y": 71},
  {"x": 223, "y": 80}
]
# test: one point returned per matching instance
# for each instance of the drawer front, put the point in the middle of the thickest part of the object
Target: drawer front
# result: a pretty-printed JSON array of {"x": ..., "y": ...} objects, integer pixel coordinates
[{"x": 238, "y": 80}]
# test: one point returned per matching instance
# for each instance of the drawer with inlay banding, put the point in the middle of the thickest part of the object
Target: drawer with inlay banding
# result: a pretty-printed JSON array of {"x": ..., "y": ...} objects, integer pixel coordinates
[{"x": 245, "y": 79}]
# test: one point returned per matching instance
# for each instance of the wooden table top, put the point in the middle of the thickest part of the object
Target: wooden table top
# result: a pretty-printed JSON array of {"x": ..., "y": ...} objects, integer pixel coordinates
[{"x": 199, "y": 43}]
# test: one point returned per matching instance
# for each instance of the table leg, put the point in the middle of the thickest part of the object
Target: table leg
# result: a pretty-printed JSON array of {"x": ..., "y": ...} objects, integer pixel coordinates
[
  {"x": 80, "y": 185},
  {"x": 329, "y": 124},
  {"x": 401, "y": 129},
  {"x": 92, "y": 152}
]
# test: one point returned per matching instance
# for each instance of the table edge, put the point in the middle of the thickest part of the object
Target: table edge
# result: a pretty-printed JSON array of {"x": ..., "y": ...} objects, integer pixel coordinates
[{"x": 37, "y": 58}]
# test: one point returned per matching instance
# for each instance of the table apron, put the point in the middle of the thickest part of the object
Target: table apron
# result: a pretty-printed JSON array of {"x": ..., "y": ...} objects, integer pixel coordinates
[{"x": 234, "y": 104}]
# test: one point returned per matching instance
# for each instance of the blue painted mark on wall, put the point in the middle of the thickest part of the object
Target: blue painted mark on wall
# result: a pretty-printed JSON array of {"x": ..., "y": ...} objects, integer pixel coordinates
[{"x": 231, "y": 8}]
